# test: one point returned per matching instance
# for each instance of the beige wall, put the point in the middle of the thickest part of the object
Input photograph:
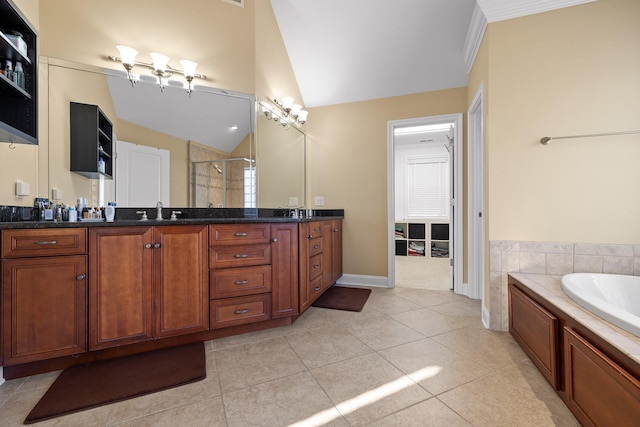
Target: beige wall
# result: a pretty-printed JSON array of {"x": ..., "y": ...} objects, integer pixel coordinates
[
  {"x": 567, "y": 72},
  {"x": 347, "y": 164}
]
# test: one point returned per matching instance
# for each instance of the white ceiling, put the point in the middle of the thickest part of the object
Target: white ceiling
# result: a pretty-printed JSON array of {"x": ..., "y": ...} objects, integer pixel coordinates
[{"x": 355, "y": 50}]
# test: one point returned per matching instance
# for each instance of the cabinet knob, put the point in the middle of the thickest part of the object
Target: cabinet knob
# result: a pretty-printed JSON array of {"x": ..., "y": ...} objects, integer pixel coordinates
[
  {"x": 335, "y": 230},
  {"x": 274, "y": 240},
  {"x": 241, "y": 256},
  {"x": 316, "y": 266},
  {"x": 157, "y": 245},
  {"x": 316, "y": 246},
  {"x": 81, "y": 276},
  {"x": 243, "y": 311},
  {"x": 317, "y": 288},
  {"x": 147, "y": 246}
]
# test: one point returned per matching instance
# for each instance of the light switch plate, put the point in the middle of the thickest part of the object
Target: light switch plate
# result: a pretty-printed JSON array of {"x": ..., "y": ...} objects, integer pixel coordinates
[
  {"x": 56, "y": 194},
  {"x": 319, "y": 201}
]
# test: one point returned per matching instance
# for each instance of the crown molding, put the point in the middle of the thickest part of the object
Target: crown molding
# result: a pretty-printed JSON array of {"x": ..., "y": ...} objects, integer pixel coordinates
[
  {"x": 499, "y": 10},
  {"x": 475, "y": 33}
]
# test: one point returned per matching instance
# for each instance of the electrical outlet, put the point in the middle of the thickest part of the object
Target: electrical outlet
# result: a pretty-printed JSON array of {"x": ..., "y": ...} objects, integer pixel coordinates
[
  {"x": 319, "y": 200},
  {"x": 293, "y": 201},
  {"x": 56, "y": 194}
]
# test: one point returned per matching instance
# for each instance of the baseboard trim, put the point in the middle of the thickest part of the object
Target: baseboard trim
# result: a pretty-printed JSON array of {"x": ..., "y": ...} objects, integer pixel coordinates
[
  {"x": 359, "y": 280},
  {"x": 486, "y": 318}
]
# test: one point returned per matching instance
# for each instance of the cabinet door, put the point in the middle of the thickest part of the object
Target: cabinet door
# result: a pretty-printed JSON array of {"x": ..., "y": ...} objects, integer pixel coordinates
[
  {"x": 44, "y": 308},
  {"x": 180, "y": 280},
  {"x": 284, "y": 270},
  {"x": 599, "y": 392},
  {"x": 327, "y": 254},
  {"x": 120, "y": 286}
]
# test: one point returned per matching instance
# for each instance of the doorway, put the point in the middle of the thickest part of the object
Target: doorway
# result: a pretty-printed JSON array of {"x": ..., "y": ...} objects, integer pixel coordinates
[{"x": 424, "y": 220}]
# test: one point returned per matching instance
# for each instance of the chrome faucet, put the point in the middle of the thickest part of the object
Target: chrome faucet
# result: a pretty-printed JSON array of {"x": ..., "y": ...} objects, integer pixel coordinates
[{"x": 159, "y": 211}]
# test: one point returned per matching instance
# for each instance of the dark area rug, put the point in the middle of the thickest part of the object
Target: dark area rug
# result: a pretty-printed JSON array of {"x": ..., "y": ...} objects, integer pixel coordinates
[
  {"x": 343, "y": 298},
  {"x": 96, "y": 384}
]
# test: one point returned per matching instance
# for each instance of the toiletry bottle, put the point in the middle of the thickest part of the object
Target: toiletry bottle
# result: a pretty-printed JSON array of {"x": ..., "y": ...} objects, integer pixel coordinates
[
  {"x": 8, "y": 69},
  {"x": 18, "y": 75},
  {"x": 73, "y": 214},
  {"x": 101, "y": 165}
]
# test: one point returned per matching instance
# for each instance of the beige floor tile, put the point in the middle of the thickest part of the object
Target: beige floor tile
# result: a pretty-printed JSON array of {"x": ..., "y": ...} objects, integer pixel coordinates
[
  {"x": 9, "y": 387},
  {"x": 428, "y": 322},
  {"x": 494, "y": 350},
  {"x": 429, "y": 413},
  {"x": 250, "y": 364},
  {"x": 206, "y": 413},
  {"x": 433, "y": 366},
  {"x": 293, "y": 400},
  {"x": 382, "y": 332},
  {"x": 495, "y": 401},
  {"x": 428, "y": 298},
  {"x": 422, "y": 272},
  {"x": 320, "y": 347},
  {"x": 16, "y": 409},
  {"x": 368, "y": 388},
  {"x": 247, "y": 338},
  {"x": 463, "y": 308}
]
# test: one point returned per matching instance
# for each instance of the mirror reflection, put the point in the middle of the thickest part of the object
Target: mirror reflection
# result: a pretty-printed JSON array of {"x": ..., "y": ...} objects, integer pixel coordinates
[{"x": 209, "y": 139}]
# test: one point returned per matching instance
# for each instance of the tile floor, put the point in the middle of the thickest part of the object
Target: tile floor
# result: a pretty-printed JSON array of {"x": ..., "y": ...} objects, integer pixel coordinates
[
  {"x": 420, "y": 272},
  {"x": 412, "y": 357}
]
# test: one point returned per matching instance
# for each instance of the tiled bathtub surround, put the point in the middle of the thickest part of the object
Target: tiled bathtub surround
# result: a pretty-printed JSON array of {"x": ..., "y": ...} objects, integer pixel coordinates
[{"x": 551, "y": 258}]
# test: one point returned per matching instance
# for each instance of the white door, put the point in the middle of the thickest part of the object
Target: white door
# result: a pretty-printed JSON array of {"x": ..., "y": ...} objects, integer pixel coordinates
[
  {"x": 142, "y": 175},
  {"x": 476, "y": 199}
]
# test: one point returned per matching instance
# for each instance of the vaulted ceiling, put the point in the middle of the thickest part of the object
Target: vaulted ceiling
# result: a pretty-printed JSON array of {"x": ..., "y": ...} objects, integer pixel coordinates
[{"x": 354, "y": 50}]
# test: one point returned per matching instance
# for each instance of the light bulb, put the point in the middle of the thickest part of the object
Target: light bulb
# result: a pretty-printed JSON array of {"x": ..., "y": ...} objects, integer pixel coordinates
[
  {"x": 295, "y": 109},
  {"x": 302, "y": 116},
  {"x": 188, "y": 67},
  {"x": 287, "y": 102},
  {"x": 159, "y": 61},
  {"x": 127, "y": 55}
]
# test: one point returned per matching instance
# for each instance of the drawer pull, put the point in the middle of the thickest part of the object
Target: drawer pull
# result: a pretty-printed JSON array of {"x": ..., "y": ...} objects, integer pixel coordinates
[
  {"x": 46, "y": 242},
  {"x": 241, "y": 282},
  {"x": 241, "y": 256},
  {"x": 316, "y": 246},
  {"x": 157, "y": 245},
  {"x": 243, "y": 311},
  {"x": 317, "y": 288},
  {"x": 316, "y": 266},
  {"x": 335, "y": 230},
  {"x": 147, "y": 246},
  {"x": 81, "y": 276},
  {"x": 316, "y": 229},
  {"x": 241, "y": 234}
]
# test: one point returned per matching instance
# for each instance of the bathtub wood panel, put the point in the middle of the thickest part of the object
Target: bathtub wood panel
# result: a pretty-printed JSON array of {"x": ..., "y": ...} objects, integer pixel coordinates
[{"x": 536, "y": 330}]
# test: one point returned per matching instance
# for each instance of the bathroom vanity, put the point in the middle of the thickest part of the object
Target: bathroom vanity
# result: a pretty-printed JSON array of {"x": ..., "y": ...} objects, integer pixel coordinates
[
  {"x": 593, "y": 365},
  {"x": 79, "y": 292}
]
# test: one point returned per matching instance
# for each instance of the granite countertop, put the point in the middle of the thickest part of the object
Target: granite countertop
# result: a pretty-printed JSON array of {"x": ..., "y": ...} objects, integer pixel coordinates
[
  {"x": 189, "y": 216},
  {"x": 549, "y": 288}
]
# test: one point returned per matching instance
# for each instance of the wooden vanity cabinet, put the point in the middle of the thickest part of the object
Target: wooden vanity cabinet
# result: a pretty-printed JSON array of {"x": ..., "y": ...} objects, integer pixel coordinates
[
  {"x": 147, "y": 283},
  {"x": 44, "y": 294},
  {"x": 311, "y": 262},
  {"x": 332, "y": 235}
]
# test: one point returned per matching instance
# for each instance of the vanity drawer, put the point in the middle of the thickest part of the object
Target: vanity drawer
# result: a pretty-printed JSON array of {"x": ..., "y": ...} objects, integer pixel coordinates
[
  {"x": 239, "y": 234},
  {"x": 315, "y": 229},
  {"x": 49, "y": 242},
  {"x": 234, "y": 282},
  {"x": 315, "y": 246},
  {"x": 240, "y": 310},
  {"x": 315, "y": 266},
  {"x": 240, "y": 255}
]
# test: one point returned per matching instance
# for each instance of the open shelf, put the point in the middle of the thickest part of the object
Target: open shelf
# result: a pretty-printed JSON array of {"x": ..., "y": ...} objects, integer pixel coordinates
[{"x": 422, "y": 239}]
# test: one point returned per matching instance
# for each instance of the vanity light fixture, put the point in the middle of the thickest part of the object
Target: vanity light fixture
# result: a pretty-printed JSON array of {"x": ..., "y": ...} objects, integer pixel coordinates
[
  {"x": 285, "y": 112},
  {"x": 159, "y": 67}
]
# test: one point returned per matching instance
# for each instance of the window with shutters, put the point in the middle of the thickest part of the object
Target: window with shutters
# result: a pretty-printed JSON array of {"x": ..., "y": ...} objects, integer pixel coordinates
[{"x": 427, "y": 191}]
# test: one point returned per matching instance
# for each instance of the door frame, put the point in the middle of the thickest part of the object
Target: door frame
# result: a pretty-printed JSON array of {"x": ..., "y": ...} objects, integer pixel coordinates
[
  {"x": 476, "y": 213},
  {"x": 456, "y": 246}
]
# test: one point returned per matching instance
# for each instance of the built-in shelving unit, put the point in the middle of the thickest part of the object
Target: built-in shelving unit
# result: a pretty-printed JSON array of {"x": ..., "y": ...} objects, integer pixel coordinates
[
  {"x": 18, "y": 106},
  {"x": 422, "y": 239},
  {"x": 91, "y": 141}
]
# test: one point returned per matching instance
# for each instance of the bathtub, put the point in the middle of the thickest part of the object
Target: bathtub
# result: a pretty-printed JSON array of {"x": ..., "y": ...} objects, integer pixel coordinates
[{"x": 614, "y": 297}]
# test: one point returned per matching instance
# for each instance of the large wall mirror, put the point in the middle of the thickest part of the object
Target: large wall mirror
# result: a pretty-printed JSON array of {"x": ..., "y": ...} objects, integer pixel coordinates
[{"x": 222, "y": 151}]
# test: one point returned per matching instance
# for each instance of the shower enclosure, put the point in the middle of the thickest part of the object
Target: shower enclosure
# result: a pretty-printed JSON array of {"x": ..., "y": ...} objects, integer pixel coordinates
[{"x": 223, "y": 183}]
